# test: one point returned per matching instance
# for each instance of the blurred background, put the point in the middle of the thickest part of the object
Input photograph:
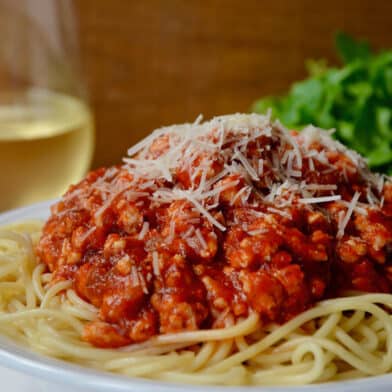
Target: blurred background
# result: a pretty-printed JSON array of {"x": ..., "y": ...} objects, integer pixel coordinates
[{"x": 151, "y": 63}]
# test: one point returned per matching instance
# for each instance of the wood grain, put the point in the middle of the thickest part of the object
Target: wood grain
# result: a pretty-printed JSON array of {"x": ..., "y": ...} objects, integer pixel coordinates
[{"x": 150, "y": 63}]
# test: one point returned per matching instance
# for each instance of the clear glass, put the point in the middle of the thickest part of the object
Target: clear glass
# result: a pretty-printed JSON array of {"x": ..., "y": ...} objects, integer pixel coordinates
[{"x": 46, "y": 125}]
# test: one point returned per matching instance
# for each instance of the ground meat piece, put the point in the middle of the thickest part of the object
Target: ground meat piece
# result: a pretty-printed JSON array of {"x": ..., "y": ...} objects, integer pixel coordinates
[
  {"x": 124, "y": 299},
  {"x": 179, "y": 298},
  {"x": 351, "y": 249},
  {"x": 104, "y": 335},
  {"x": 364, "y": 277},
  {"x": 145, "y": 326},
  {"x": 264, "y": 292}
]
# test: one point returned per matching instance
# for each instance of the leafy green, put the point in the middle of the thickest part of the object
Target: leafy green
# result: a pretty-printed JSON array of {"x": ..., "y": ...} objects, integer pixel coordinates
[
  {"x": 356, "y": 99},
  {"x": 349, "y": 49}
]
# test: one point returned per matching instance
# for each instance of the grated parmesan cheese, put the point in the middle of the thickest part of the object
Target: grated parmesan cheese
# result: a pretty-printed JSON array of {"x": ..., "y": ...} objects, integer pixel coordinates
[
  {"x": 283, "y": 213},
  {"x": 202, "y": 210},
  {"x": 343, "y": 223},
  {"x": 323, "y": 199},
  {"x": 143, "y": 231},
  {"x": 239, "y": 193},
  {"x": 155, "y": 264},
  {"x": 135, "y": 276},
  {"x": 172, "y": 230},
  {"x": 201, "y": 239},
  {"x": 247, "y": 166}
]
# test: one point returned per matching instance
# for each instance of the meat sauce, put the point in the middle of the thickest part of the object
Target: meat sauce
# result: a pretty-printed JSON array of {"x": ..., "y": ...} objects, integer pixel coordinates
[{"x": 154, "y": 265}]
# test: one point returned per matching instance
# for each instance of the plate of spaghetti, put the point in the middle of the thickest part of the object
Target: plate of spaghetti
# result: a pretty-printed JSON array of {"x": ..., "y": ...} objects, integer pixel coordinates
[{"x": 230, "y": 252}]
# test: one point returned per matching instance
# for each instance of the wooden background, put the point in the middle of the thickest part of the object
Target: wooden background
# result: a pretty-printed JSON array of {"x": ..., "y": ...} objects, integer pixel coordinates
[{"x": 151, "y": 63}]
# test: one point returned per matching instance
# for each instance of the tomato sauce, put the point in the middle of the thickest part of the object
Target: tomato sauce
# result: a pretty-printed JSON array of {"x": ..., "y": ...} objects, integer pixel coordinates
[{"x": 160, "y": 267}]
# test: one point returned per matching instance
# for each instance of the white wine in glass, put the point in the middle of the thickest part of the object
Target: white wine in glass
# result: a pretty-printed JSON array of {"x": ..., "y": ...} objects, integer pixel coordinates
[{"x": 46, "y": 126}]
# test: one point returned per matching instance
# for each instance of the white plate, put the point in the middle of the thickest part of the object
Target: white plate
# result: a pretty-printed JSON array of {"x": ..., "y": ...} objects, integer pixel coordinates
[{"x": 24, "y": 371}]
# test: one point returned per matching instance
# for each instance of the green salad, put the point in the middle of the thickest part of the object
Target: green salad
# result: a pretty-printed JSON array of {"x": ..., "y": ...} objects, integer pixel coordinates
[{"x": 355, "y": 99}]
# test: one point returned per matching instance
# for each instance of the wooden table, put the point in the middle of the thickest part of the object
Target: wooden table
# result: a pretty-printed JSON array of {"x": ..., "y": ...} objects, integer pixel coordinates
[{"x": 151, "y": 62}]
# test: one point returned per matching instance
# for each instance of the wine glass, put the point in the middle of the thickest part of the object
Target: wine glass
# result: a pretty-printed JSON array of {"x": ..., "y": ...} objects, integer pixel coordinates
[{"x": 46, "y": 125}]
